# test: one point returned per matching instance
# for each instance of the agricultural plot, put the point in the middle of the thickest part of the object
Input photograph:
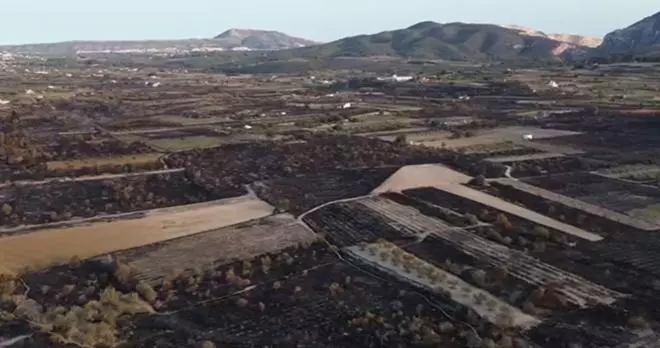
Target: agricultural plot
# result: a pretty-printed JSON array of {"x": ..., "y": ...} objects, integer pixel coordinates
[
  {"x": 304, "y": 192},
  {"x": 590, "y": 217},
  {"x": 637, "y": 201},
  {"x": 576, "y": 290},
  {"x": 520, "y": 265},
  {"x": 240, "y": 164},
  {"x": 101, "y": 165},
  {"x": 597, "y": 327},
  {"x": 298, "y": 296},
  {"x": 520, "y": 158},
  {"x": 186, "y": 143},
  {"x": 407, "y": 219},
  {"x": 331, "y": 306},
  {"x": 545, "y": 164},
  {"x": 189, "y": 121},
  {"x": 62, "y": 201},
  {"x": 238, "y": 242},
  {"x": 410, "y": 222},
  {"x": 46, "y": 247},
  {"x": 346, "y": 224},
  {"x": 466, "y": 200},
  {"x": 608, "y": 139},
  {"x": 494, "y": 136},
  {"x": 638, "y": 253},
  {"x": 180, "y": 132},
  {"x": 77, "y": 147},
  {"x": 507, "y": 148},
  {"x": 477, "y": 164},
  {"x": 389, "y": 258},
  {"x": 637, "y": 158},
  {"x": 641, "y": 173}
]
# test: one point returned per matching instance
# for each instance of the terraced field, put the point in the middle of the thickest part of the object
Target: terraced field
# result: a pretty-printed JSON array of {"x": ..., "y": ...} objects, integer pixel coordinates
[
  {"x": 399, "y": 220},
  {"x": 389, "y": 258},
  {"x": 577, "y": 290}
]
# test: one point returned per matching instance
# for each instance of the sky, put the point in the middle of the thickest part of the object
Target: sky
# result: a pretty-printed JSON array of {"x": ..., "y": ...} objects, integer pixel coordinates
[{"x": 32, "y": 21}]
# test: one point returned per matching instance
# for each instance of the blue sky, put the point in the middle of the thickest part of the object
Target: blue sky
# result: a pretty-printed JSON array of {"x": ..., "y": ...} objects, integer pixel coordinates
[{"x": 28, "y": 21}]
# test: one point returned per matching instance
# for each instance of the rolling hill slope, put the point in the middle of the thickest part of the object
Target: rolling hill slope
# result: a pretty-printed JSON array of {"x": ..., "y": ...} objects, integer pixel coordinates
[{"x": 430, "y": 40}]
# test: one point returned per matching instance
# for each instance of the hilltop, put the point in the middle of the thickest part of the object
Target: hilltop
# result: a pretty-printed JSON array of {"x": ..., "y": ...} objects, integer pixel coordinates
[{"x": 263, "y": 39}]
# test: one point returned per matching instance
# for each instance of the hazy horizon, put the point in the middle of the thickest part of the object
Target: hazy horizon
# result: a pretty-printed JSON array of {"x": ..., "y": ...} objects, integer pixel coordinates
[{"x": 41, "y": 21}]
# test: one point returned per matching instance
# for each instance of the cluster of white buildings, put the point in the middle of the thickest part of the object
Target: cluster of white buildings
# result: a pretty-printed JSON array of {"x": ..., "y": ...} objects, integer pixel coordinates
[
  {"x": 396, "y": 78},
  {"x": 161, "y": 50}
]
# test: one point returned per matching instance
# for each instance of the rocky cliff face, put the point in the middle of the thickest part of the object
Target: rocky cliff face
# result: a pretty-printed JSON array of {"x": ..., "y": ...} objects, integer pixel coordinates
[{"x": 639, "y": 38}]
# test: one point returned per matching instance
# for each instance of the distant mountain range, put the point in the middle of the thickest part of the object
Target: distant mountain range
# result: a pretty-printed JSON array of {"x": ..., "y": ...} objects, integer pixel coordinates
[
  {"x": 425, "y": 41},
  {"x": 487, "y": 42},
  {"x": 230, "y": 40}
]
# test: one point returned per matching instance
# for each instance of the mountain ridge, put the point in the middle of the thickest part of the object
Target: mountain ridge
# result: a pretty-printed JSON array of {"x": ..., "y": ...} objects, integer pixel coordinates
[
  {"x": 250, "y": 39},
  {"x": 449, "y": 41}
]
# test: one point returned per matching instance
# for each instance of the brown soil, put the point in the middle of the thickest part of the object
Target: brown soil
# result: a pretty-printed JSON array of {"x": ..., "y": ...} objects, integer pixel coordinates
[{"x": 50, "y": 246}]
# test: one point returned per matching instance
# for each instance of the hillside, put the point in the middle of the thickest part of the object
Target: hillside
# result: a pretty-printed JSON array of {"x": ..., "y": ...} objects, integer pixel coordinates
[
  {"x": 232, "y": 39},
  {"x": 641, "y": 38},
  {"x": 430, "y": 40}
]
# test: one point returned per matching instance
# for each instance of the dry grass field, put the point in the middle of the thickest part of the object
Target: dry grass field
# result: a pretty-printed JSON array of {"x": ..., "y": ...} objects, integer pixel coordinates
[{"x": 46, "y": 247}]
